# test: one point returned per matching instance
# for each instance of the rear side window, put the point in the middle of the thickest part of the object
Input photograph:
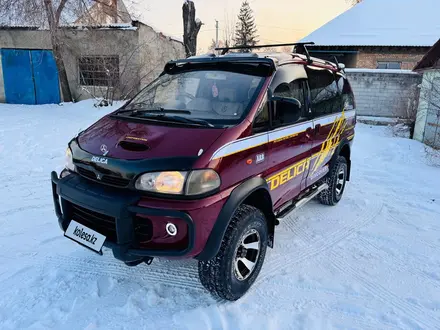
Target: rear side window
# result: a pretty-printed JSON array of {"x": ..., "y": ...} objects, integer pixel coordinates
[
  {"x": 347, "y": 93},
  {"x": 325, "y": 98}
]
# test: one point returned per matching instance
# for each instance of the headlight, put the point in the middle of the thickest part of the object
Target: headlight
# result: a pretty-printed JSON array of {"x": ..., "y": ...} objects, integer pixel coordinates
[
  {"x": 69, "y": 160},
  {"x": 162, "y": 182},
  {"x": 202, "y": 181},
  {"x": 179, "y": 183}
]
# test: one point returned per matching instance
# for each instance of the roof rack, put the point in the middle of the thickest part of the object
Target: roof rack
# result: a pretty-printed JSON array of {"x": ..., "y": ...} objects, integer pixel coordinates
[{"x": 300, "y": 47}]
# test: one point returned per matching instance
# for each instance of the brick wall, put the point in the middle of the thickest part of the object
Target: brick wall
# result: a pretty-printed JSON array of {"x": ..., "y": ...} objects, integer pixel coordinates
[
  {"x": 368, "y": 56},
  {"x": 385, "y": 94},
  {"x": 369, "y": 59}
]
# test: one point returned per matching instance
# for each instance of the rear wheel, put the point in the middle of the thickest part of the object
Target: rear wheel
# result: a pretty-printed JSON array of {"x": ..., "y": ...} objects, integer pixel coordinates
[
  {"x": 336, "y": 180},
  {"x": 231, "y": 273}
]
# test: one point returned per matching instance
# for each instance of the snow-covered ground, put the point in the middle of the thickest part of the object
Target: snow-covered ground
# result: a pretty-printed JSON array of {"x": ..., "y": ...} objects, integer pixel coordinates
[{"x": 372, "y": 262}]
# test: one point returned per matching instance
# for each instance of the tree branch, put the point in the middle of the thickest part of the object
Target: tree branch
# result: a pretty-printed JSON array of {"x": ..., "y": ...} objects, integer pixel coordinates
[
  {"x": 50, "y": 16},
  {"x": 59, "y": 11}
]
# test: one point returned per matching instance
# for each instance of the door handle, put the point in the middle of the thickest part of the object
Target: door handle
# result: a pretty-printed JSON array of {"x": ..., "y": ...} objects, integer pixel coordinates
[
  {"x": 317, "y": 128},
  {"x": 308, "y": 135}
]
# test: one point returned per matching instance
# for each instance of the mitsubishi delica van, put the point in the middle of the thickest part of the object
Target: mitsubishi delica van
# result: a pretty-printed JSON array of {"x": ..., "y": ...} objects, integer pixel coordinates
[{"x": 207, "y": 160}]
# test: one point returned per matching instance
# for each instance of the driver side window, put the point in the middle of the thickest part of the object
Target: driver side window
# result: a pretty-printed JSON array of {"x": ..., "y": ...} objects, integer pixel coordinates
[{"x": 286, "y": 114}]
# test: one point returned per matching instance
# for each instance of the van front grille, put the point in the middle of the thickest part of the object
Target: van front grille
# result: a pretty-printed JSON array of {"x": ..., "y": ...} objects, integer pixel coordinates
[
  {"x": 99, "y": 222},
  {"x": 105, "y": 179}
]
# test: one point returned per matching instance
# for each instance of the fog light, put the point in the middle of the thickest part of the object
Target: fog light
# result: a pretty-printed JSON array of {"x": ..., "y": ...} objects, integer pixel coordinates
[{"x": 171, "y": 229}]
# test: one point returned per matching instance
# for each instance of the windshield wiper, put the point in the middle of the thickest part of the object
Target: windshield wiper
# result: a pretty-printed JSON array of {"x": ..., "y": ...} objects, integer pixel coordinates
[
  {"x": 161, "y": 116},
  {"x": 164, "y": 111},
  {"x": 190, "y": 120}
]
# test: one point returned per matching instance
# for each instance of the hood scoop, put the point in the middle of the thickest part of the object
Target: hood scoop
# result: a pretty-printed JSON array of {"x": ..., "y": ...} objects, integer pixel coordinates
[{"x": 133, "y": 146}]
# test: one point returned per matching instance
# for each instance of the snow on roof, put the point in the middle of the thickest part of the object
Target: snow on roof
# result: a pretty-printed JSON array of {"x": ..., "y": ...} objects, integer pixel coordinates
[
  {"x": 119, "y": 26},
  {"x": 382, "y": 23}
]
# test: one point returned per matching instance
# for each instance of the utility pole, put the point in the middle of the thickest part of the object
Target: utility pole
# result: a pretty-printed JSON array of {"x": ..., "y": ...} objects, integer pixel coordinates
[{"x": 216, "y": 34}]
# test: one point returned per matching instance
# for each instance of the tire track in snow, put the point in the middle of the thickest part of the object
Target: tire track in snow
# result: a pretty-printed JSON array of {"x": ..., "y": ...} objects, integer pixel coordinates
[
  {"x": 330, "y": 306},
  {"x": 395, "y": 261},
  {"x": 182, "y": 276},
  {"x": 12, "y": 211},
  {"x": 277, "y": 263},
  {"x": 381, "y": 293}
]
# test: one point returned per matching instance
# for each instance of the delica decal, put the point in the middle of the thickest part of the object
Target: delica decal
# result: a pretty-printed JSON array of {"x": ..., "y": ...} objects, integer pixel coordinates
[
  {"x": 288, "y": 174},
  {"x": 317, "y": 160}
]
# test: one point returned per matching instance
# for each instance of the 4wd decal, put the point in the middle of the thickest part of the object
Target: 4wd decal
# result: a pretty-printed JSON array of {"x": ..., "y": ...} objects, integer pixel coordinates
[{"x": 329, "y": 145}]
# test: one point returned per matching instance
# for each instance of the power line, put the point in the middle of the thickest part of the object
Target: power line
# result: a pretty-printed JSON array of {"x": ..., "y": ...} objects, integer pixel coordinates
[
  {"x": 272, "y": 40},
  {"x": 279, "y": 27}
]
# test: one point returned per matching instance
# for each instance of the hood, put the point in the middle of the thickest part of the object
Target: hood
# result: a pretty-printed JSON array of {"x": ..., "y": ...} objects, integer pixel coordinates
[{"x": 122, "y": 139}]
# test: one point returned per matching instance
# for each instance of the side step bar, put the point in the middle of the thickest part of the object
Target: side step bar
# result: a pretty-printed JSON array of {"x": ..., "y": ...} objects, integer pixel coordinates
[{"x": 303, "y": 201}]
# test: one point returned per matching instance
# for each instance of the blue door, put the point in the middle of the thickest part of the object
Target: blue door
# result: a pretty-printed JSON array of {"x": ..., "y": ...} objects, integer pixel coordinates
[
  {"x": 17, "y": 76},
  {"x": 30, "y": 76},
  {"x": 45, "y": 71}
]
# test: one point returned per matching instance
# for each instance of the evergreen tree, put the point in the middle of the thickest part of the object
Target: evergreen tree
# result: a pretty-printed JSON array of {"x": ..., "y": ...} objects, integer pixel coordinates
[{"x": 246, "y": 30}]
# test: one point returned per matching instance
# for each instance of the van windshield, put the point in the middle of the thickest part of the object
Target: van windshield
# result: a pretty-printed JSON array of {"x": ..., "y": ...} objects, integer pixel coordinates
[{"x": 220, "y": 98}]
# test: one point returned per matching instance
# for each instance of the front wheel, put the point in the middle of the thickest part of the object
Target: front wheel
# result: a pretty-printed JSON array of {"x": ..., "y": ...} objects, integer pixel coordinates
[
  {"x": 336, "y": 180},
  {"x": 235, "y": 268}
]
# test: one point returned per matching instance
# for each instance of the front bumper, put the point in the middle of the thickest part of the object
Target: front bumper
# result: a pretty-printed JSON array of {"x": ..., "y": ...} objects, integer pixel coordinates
[{"x": 82, "y": 200}]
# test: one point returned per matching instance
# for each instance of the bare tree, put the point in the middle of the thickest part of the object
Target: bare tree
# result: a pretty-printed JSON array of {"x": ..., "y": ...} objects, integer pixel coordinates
[
  {"x": 51, "y": 14},
  {"x": 53, "y": 17},
  {"x": 213, "y": 45},
  {"x": 41, "y": 13},
  {"x": 107, "y": 78},
  {"x": 191, "y": 28},
  {"x": 228, "y": 30}
]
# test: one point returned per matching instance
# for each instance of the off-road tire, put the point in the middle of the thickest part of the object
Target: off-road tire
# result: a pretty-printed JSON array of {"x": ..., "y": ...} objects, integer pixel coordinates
[
  {"x": 330, "y": 196},
  {"x": 218, "y": 274}
]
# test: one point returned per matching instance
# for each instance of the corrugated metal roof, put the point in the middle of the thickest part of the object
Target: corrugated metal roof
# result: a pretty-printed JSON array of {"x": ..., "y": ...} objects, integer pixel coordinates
[{"x": 412, "y": 23}]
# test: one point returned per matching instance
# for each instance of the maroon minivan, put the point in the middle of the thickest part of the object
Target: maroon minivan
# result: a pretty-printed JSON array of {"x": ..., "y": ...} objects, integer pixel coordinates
[{"x": 206, "y": 160}]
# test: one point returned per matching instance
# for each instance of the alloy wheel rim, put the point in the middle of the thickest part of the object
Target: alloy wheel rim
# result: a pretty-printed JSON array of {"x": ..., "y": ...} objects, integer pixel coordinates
[
  {"x": 340, "y": 181},
  {"x": 246, "y": 255}
]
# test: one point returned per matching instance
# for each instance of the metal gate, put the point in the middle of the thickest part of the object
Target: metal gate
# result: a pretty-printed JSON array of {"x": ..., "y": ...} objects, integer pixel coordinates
[
  {"x": 432, "y": 128},
  {"x": 30, "y": 76}
]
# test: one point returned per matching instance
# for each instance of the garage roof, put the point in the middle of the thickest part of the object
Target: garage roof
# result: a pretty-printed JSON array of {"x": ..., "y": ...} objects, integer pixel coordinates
[{"x": 383, "y": 23}]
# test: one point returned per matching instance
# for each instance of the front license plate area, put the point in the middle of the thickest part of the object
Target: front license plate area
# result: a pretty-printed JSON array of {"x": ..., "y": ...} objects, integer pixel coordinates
[{"x": 85, "y": 236}]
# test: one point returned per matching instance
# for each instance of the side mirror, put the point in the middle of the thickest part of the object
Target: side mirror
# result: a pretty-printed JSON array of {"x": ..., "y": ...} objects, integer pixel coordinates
[
  {"x": 285, "y": 110},
  {"x": 285, "y": 102}
]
